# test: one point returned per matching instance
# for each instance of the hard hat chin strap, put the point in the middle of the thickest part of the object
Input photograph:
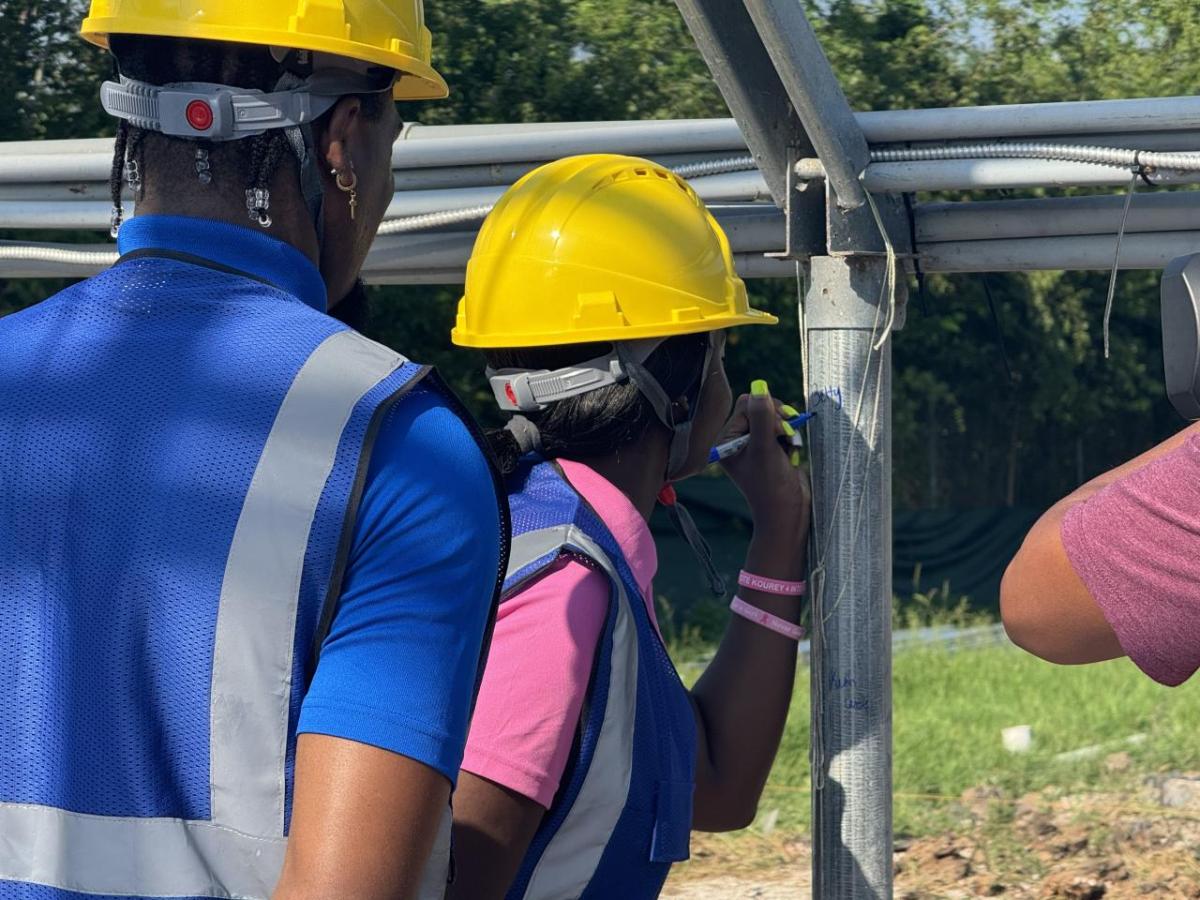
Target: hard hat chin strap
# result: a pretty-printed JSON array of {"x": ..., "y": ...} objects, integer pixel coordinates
[
  {"x": 664, "y": 407},
  {"x": 677, "y": 455},
  {"x": 303, "y": 143}
]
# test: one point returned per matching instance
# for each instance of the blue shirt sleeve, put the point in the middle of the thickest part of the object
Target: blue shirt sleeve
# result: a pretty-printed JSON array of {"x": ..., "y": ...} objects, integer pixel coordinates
[{"x": 398, "y": 668}]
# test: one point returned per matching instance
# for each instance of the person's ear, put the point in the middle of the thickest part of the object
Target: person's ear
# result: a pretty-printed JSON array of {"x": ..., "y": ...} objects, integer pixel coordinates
[{"x": 340, "y": 134}]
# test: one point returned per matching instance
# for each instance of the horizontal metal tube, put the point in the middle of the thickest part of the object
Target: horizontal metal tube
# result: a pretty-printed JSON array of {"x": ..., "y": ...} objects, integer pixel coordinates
[
  {"x": 1151, "y": 250},
  {"x": 1022, "y": 120},
  {"x": 1138, "y": 140},
  {"x": 507, "y": 173},
  {"x": 638, "y": 138},
  {"x": 1055, "y": 216},
  {"x": 95, "y": 213},
  {"x": 748, "y": 232},
  {"x": 1122, "y": 123},
  {"x": 998, "y": 174},
  {"x": 749, "y": 265},
  {"x": 730, "y": 187},
  {"x": 87, "y": 166},
  {"x": 57, "y": 215},
  {"x": 1028, "y": 120},
  {"x": 57, "y": 192}
]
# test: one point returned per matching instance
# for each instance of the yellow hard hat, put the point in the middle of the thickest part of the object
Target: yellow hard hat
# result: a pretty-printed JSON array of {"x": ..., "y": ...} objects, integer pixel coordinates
[
  {"x": 388, "y": 33},
  {"x": 596, "y": 249}
]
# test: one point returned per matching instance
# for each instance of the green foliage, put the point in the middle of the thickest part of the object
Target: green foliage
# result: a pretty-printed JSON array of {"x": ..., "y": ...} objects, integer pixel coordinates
[
  {"x": 48, "y": 76},
  {"x": 949, "y": 709},
  {"x": 937, "y": 607},
  {"x": 50, "y": 81}
]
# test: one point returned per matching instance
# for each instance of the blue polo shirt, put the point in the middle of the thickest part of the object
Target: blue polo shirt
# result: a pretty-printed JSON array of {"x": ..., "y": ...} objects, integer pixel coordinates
[{"x": 398, "y": 667}]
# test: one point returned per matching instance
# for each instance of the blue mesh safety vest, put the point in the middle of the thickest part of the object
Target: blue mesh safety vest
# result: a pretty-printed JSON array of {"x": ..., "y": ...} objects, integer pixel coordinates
[
  {"x": 623, "y": 814},
  {"x": 181, "y": 454}
]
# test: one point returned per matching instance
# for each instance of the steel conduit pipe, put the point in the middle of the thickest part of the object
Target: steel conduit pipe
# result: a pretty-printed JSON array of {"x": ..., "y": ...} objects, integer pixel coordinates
[
  {"x": 1146, "y": 250},
  {"x": 1053, "y": 217},
  {"x": 994, "y": 174}
]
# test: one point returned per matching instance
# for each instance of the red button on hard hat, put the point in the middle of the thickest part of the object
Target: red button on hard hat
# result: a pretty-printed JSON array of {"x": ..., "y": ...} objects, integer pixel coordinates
[
  {"x": 511, "y": 394},
  {"x": 199, "y": 115}
]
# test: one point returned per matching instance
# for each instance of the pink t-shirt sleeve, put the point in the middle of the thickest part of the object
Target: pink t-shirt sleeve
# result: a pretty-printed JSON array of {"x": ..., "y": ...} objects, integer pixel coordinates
[
  {"x": 1136, "y": 547},
  {"x": 536, "y": 680}
]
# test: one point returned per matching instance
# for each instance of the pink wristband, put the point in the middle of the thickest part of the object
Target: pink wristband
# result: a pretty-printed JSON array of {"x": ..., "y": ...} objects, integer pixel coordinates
[
  {"x": 761, "y": 617},
  {"x": 771, "y": 585}
]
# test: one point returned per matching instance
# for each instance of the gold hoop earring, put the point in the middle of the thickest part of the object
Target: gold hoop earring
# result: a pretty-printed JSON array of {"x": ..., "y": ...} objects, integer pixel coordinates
[{"x": 351, "y": 189}]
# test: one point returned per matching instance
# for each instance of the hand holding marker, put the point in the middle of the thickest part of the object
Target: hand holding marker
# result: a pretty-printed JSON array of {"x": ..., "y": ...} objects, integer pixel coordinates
[{"x": 791, "y": 436}]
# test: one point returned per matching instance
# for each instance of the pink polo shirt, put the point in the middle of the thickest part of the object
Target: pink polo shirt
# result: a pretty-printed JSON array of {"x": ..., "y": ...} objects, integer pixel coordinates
[
  {"x": 1136, "y": 547},
  {"x": 542, "y": 652}
]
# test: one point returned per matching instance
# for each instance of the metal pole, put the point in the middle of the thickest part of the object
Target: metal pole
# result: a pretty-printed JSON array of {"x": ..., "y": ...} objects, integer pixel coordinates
[
  {"x": 815, "y": 93},
  {"x": 746, "y": 77},
  {"x": 850, "y": 389}
]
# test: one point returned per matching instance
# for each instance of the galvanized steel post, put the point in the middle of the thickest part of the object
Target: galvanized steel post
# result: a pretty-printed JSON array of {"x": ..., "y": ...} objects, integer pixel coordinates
[{"x": 850, "y": 385}]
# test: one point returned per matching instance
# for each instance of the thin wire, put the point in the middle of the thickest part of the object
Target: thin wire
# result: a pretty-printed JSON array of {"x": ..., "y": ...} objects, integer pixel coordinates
[
  {"x": 1112, "y": 279},
  {"x": 889, "y": 281}
]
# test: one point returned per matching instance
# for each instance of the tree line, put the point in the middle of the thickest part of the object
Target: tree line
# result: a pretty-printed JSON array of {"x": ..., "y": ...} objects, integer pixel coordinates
[{"x": 1002, "y": 394}]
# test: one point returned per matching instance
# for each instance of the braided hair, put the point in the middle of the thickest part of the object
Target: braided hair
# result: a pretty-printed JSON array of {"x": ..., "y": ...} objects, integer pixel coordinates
[
  {"x": 164, "y": 60},
  {"x": 605, "y": 420}
]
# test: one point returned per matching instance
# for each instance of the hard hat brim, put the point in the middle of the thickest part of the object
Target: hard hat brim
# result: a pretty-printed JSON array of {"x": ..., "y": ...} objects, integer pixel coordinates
[
  {"x": 418, "y": 80},
  {"x": 460, "y": 337}
]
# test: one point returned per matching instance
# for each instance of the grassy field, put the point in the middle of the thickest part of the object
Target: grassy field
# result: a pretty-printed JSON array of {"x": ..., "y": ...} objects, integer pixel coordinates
[{"x": 950, "y": 707}]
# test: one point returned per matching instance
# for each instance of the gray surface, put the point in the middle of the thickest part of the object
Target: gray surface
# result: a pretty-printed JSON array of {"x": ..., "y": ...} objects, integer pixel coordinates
[
  {"x": 1181, "y": 334},
  {"x": 1056, "y": 216},
  {"x": 1023, "y": 120},
  {"x": 851, "y": 582},
  {"x": 746, "y": 77},
  {"x": 815, "y": 94},
  {"x": 1147, "y": 250},
  {"x": 1000, "y": 174}
]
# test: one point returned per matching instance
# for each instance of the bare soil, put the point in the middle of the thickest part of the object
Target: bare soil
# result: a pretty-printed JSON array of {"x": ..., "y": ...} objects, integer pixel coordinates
[{"x": 1043, "y": 846}]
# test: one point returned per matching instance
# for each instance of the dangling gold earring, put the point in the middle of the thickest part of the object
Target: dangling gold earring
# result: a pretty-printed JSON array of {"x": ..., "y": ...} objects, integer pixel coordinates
[{"x": 351, "y": 189}]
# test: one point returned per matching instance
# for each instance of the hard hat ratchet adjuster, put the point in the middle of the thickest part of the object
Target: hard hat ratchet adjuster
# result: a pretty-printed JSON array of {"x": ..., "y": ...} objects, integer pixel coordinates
[
  {"x": 530, "y": 390},
  {"x": 213, "y": 112}
]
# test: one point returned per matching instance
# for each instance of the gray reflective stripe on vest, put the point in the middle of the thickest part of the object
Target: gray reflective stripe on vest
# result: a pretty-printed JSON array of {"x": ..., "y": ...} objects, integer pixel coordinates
[
  {"x": 570, "y": 860},
  {"x": 256, "y": 624},
  {"x": 239, "y": 852},
  {"x": 134, "y": 857}
]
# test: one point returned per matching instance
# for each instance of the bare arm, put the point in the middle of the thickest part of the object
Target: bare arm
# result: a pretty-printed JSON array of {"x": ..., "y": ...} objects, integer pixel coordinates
[
  {"x": 493, "y": 827},
  {"x": 742, "y": 699},
  {"x": 1045, "y": 606},
  {"x": 364, "y": 821}
]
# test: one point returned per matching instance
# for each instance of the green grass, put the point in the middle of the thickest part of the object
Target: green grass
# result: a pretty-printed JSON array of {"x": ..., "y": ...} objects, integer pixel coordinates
[{"x": 949, "y": 708}]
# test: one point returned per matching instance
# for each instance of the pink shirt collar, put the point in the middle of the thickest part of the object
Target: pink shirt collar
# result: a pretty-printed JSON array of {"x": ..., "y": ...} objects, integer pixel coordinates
[{"x": 622, "y": 518}]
